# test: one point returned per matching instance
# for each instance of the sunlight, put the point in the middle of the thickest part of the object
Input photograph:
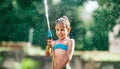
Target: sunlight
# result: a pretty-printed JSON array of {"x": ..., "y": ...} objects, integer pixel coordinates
[
  {"x": 89, "y": 7},
  {"x": 56, "y": 1},
  {"x": 14, "y": 3}
]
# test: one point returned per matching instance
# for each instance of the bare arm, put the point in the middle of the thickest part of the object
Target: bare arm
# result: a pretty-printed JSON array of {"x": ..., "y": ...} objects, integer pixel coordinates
[{"x": 71, "y": 45}]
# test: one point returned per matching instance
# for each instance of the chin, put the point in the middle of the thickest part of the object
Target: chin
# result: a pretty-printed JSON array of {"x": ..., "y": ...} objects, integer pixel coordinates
[{"x": 61, "y": 38}]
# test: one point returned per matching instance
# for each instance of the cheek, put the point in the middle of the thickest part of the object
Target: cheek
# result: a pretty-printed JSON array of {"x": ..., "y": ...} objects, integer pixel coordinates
[
  {"x": 66, "y": 32},
  {"x": 57, "y": 32}
]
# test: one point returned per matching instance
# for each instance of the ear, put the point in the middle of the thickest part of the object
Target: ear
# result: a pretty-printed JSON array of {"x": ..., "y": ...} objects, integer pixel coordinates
[{"x": 69, "y": 29}]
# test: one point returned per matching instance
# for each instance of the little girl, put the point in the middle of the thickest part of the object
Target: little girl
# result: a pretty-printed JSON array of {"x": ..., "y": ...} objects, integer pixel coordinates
[{"x": 61, "y": 49}]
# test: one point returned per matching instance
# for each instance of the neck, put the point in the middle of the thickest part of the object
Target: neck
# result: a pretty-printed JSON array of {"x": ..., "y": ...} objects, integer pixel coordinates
[{"x": 62, "y": 40}]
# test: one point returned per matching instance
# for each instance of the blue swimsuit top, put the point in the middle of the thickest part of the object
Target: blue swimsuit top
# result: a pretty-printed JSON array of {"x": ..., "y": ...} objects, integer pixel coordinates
[{"x": 60, "y": 46}]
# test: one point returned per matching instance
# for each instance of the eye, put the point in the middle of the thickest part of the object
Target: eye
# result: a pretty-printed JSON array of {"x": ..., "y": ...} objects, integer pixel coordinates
[
  {"x": 62, "y": 29},
  {"x": 57, "y": 29}
]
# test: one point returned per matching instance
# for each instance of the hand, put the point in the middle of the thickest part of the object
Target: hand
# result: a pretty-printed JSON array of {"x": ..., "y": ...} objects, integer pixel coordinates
[
  {"x": 50, "y": 43},
  {"x": 47, "y": 53}
]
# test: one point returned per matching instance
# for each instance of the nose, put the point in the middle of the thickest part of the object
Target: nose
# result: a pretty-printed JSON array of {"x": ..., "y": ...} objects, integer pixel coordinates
[{"x": 59, "y": 32}]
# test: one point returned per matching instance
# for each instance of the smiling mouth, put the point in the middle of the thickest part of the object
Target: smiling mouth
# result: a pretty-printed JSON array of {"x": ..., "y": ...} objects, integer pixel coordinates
[{"x": 60, "y": 35}]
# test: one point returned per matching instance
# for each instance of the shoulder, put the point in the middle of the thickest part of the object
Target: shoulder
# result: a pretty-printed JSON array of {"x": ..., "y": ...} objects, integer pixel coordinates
[{"x": 71, "y": 41}]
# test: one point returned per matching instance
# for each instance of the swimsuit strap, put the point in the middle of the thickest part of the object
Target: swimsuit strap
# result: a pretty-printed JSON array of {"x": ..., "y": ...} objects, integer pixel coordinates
[{"x": 60, "y": 46}]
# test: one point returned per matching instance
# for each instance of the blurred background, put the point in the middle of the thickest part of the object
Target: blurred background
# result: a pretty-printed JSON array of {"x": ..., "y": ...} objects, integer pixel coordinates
[{"x": 95, "y": 28}]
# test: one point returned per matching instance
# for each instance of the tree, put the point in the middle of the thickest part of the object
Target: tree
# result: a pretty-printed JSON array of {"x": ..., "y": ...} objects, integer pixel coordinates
[
  {"x": 104, "y": 19},
  {"x": 18, "y": 16}
]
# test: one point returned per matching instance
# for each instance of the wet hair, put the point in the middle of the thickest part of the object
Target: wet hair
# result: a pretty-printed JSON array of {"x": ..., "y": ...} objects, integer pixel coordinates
[{"x": 63, "y": 20}]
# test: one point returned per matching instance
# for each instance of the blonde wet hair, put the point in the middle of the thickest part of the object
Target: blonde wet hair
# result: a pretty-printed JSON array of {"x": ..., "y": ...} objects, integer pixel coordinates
[{"x": 64, "y": 21}]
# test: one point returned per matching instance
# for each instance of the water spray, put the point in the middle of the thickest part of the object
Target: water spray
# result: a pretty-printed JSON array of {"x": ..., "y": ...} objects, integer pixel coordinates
[{"x": 46, "y": 12}]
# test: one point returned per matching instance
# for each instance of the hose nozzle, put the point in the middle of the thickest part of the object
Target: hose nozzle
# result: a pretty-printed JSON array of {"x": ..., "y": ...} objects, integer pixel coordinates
[{"x": 49, "y": 34}]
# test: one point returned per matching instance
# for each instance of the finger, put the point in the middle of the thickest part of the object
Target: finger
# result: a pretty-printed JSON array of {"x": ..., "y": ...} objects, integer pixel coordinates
[
  {"x": 49, "y": 41},
  {"x": 49, "y": 44}
]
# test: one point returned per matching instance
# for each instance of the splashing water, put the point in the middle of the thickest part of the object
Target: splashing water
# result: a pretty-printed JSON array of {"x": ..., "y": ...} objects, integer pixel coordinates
[{"x": 46, "y": 12}]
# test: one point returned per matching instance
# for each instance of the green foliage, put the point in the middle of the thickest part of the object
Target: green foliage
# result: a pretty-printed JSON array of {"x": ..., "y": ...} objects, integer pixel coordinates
[
  {"x": 1, "y": 59},
  {"x": 28, "y": 63},
  {"x": 104, "y": 19},
  {"x": 18, "y": 16}
]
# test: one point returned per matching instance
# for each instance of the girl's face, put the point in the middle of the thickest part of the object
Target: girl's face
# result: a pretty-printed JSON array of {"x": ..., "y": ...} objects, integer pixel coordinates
[{"x": 61, "y": 31}]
